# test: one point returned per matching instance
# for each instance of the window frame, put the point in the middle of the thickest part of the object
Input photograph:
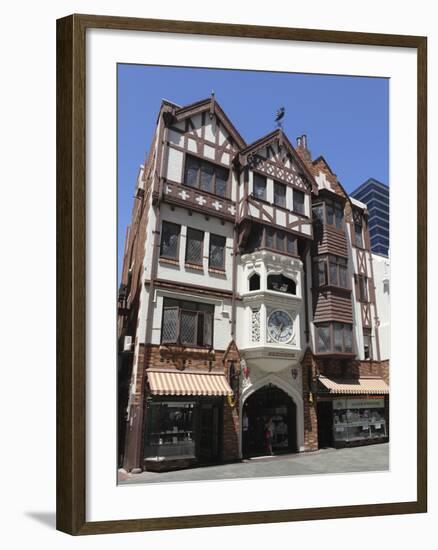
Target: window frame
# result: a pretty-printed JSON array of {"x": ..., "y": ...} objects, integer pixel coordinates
[
  {"x": 367, "y": 335},
  {"x": 164, "y": 224},
  {"x": 216, "y": 167},
  {"x": 336, "y": 206},
  {"x": 201, "y": 259}
]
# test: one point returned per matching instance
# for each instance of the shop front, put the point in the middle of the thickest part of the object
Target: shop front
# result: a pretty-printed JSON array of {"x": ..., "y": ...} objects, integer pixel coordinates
[
  {"x": 268, "y": 408},
  {"x": 183, "y": 424},
  {"x": 347, "y": 419}
]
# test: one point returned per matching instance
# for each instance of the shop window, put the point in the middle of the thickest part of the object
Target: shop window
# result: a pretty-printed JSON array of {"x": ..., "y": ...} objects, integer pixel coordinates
[
  {"x": 187, "y": 323},
  {"x": 206, "y": 176},
  {"x": 169, "y": 247},
  {"x": 299, "y": 198},
  {"x": 217, "y": 252},
  {"x": 170, "y": 430},
  {"x": 280, "y": 283},
  {"x": 254, "y": 282},
  {"x": 358, "y": 420},
  {"x": 259, "y": 186},
  {"x": 194, "y": 246},
  {"x": 279, "y": 194}
]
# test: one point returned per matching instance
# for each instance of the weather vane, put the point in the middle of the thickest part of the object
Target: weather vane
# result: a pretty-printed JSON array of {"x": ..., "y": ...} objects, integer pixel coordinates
[{"x": 279, "y": 117}]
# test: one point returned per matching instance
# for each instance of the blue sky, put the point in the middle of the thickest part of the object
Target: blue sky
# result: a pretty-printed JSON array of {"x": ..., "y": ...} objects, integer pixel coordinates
[{"x": 346, "y": 119}]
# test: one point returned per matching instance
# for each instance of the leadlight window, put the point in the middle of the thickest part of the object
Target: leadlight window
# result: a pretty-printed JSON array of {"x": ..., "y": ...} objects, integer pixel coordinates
[
  {"x": 217, "y": 252},
  {"x": 187, "y": 323},
  {"x": 298, "y": 198},
  {"x": 279, "y": 194},
  {"x": 206, "y": 176},
  {"x": 323, "y": 338},
  {"x": 259, "y": 186},
  {"x": 334, "y": 338},
  {"x": 358, "y": 238},
  {"x": 169, "y": 246},
  {"x": 194, "y": 246}
]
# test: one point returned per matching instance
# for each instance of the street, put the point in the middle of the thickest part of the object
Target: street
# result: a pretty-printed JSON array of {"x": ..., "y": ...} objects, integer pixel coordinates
[{"x": 325, "y": 461}]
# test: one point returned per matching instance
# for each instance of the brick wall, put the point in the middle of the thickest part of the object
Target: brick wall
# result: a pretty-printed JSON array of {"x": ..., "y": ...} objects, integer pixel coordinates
[{"x": 310, "y": 418}]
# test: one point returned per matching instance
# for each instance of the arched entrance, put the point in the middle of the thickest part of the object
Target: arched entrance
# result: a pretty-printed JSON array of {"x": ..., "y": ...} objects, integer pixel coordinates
[{"x": 268, "y": 402}]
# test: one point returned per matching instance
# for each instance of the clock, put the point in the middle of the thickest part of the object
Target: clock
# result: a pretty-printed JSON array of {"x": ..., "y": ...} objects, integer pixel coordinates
[{"x": 280, "y": 326}]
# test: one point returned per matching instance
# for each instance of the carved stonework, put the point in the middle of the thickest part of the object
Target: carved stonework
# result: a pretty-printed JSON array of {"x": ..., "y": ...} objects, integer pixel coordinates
[{"x": 255, "y": 325}]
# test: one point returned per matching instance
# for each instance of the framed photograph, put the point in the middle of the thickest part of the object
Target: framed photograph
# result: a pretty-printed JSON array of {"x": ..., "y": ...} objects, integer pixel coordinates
[{"x": 241, "y": 274}]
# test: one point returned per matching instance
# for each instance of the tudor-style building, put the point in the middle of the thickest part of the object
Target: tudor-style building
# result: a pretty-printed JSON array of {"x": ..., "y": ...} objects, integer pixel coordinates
[{"x": 247, "y": 294}]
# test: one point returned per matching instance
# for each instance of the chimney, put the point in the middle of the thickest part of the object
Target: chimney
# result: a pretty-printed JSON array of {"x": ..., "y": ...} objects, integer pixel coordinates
[{"x": 302, "y": 148}]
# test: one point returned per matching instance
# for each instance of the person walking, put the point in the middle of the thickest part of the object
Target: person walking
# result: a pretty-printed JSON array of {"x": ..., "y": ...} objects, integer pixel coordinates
[{"x": 269, "y": 434}]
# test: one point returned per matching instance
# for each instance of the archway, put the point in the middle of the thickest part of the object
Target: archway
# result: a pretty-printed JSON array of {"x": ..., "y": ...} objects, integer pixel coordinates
[{"x": 267, "y": 402}]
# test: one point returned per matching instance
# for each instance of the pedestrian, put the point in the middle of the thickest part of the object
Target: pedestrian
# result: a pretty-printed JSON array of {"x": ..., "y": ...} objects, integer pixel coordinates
[{"x": 269, "y": 434}]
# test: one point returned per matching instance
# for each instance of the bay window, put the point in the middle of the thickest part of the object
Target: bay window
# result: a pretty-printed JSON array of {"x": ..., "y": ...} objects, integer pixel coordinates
[
  {"x": 334, "y": 337},
  {"x": 330, "y": 270}
]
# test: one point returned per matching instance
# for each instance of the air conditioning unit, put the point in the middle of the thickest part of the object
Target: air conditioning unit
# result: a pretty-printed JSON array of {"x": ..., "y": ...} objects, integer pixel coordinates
[{"x": 128, "y": 344}]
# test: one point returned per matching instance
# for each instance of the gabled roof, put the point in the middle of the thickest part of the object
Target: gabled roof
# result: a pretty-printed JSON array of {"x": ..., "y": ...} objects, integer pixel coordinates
[
  {"x": 353, "y": 202},
  {"x": 211, "y": 105},
  {"x": 280, "y": 136}
]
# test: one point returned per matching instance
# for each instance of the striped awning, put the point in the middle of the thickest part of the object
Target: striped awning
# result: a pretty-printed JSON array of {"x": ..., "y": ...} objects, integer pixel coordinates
[
  {"x": 356, "y": 386},
  {"x": 182, "y": 383}
]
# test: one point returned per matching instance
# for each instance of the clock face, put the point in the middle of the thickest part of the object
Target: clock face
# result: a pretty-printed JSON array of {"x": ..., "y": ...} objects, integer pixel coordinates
[{"x": 280, "y": 326}]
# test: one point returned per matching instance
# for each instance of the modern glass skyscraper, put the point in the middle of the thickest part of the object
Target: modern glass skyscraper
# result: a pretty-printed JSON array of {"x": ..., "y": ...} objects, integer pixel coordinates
[{"x": 375, "y": 195}]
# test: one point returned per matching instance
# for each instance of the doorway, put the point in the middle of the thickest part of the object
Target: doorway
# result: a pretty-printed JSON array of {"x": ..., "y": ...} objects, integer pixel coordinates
[
  {"x": 209, "y": 422},
  {"x": 269, "y": 402},
  {"x": 325, "y": 424}
]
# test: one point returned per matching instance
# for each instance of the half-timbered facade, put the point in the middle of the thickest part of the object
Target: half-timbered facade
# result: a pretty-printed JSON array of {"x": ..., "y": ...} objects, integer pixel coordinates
[{"x": 247, "y": 296}]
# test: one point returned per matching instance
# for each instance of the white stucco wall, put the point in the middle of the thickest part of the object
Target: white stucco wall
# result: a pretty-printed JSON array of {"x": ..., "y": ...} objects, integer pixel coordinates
[{"x": 383, "y": 302}]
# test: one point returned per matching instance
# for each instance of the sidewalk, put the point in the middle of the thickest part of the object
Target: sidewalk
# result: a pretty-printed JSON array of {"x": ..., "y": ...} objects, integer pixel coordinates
[{"x": 325, "y": 461}]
